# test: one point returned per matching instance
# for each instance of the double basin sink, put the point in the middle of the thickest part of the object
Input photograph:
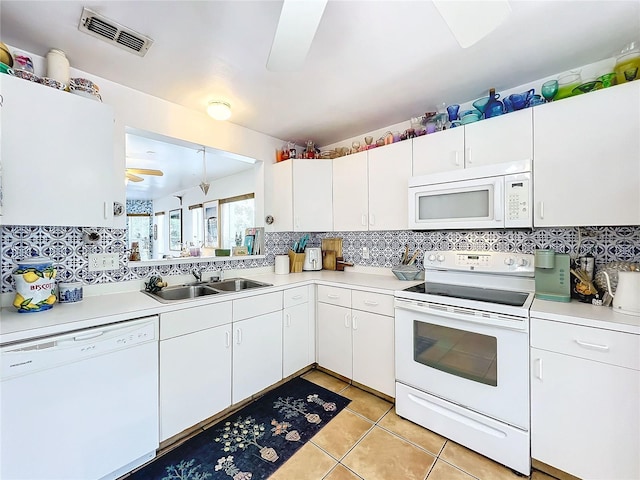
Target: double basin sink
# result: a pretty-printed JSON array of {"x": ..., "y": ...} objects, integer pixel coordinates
[{"x": 202, "y": 289}]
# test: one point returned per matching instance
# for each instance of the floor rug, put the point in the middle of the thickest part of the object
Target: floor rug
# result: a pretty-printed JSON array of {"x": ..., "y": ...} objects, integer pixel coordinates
[{"x": 254, "y": 442}]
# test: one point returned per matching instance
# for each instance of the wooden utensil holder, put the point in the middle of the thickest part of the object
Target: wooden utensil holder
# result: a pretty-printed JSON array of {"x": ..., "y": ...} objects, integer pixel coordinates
[{"x": 296, "y": 261}]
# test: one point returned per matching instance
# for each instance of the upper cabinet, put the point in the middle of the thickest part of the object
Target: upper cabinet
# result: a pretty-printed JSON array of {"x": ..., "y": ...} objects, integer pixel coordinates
[
  {"x": 370, "y": 189},
  {"x": 587, "y": 159},
  {"x": 302, "y": 196},
  {"x": 506, "y": 138},
  {"x": 57, "y": 158}
]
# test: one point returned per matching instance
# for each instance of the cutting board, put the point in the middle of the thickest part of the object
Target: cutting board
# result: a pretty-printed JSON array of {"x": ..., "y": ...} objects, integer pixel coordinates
[{"x": 332, "y": 244}]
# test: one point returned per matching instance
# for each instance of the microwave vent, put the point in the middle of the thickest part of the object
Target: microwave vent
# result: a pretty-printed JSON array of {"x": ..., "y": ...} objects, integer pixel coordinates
[{"x": 113, "y": 32}]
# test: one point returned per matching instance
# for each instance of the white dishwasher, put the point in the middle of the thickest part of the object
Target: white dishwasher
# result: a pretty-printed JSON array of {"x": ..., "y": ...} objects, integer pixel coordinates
[{"x": 81, "y": 405}]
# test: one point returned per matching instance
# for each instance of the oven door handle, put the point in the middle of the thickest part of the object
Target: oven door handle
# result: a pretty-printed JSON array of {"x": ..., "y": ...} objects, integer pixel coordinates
[{"x": 502, "y": 321}]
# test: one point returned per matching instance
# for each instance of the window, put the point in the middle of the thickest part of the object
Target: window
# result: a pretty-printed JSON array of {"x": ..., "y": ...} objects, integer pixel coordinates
[
  {"x": 175, "y": 229},
  {"x": 236, "y": 215},
  {"x": 197, "y": 225},
  {"x": 158, "y": 236},
  {"x": 139, "y": 232}
]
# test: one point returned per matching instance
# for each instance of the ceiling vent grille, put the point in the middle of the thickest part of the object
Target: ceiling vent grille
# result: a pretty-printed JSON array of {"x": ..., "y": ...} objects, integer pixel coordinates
[{"x": 113, "y": 32}]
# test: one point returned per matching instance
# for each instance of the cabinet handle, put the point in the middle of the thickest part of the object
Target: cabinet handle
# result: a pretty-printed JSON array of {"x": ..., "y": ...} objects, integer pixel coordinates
[
  {"x": 333, "y": 295},
  {"x": 456, "y": 160},
  {"x": 297, "y": 222},
  {"x": 371, "y": 302},
  {"x": 468, "y": 156},
  {"x": 538, "y": 368},
  {"x": 364, "y": 220},
  {"x": 372, "y": 219},
  {"x": 593, "y": 346},
  {"x": 541, "y": 209},
  {"x": 354, "y": 322},
  {"x": 288, "y": 321},
  {"x": 346, "y": 321},
  {"x": 238, "y": 336},
  {"x": 296, "y": 297},
  {"x": 227, "y": 339},
  {"x": 105, "y": 213}
]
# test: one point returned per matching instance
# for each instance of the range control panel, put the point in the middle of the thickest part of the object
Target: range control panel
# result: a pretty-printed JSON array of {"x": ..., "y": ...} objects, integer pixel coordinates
[{"x": 480, "y": 261}]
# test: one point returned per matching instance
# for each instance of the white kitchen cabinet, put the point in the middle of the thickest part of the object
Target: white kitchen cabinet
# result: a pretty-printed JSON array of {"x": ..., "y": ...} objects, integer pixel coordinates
[
  {"x": 195, "y": 366},
  {"x": 302, "y": 196},
  {"x": 585, "y": 393},
  {"x": 350, "y": 193},
  {"x": 587, "y": 159},
  {"x": 356, "y": 336},
  {"x": 298, "y": 331},
  {"x": 506, "y": 138},
  {"x": 57, "y": 158},
  {"x": 358, "y": 181},
  {"x": 257, "y": 344}
]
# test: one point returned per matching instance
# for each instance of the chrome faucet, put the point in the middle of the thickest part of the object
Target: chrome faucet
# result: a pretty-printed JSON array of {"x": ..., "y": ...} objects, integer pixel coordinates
[{"x": 197, "y": 273}]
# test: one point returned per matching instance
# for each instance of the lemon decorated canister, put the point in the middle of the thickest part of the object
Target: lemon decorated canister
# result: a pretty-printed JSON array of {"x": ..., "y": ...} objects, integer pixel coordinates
[{"x": 35, "y": 285}]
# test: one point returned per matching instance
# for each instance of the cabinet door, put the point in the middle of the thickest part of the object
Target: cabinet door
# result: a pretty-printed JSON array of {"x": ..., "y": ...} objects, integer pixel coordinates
[
  {"x": 334, "y": 338},
  {"x": 257, "y": 354},
  {"x": 373, "y": 351},
  {"x": 587, "y": 162},
  {"x": 438, "y": 152},
  {"x": 585, "y": 418},
  {"x": 506, "y": 138},
  {"x": 195, "y": 378},
  {"x": 282, "y": 196},
  {"x": 312, "y": 196},
  {"x": 57, "y": 157},
  {"x": 296, "y": 339},
  {"x": 389, "y": 172},
  {"x": 350, "y": 193}
]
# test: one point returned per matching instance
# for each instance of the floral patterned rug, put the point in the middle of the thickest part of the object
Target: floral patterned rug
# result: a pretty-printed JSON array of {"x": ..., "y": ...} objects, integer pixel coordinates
[{"x": 255, "y": 441}]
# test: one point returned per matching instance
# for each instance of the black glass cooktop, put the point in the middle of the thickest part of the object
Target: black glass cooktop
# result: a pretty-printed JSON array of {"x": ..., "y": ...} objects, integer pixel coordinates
[{"x": 514, "y": 299}]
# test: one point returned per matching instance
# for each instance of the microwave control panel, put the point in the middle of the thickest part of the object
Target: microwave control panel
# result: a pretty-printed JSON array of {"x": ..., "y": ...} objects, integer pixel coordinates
[{"x": 518, "y": 201}]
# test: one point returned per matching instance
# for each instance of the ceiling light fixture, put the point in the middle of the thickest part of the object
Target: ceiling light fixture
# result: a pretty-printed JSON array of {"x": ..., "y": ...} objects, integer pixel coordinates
[
  {"x": 204, "y": 185},
  {"x": 219, "y": 110}
]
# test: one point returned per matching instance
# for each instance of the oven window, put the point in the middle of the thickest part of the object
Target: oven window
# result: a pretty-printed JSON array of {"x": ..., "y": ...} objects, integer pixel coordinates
[
  {"x": 464, "y": 354},
  {"x": 469, "y": 204}
]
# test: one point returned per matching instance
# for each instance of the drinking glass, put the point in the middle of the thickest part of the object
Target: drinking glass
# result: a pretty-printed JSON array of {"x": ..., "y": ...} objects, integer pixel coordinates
[
  {"x": 549, "y": 90},
  {"x": 452, "y": 110},
  {"x": 355, "y": 146}
]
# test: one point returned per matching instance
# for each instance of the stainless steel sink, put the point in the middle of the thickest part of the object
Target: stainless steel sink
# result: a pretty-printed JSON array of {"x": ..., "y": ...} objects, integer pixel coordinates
[
  {"x": 237, "y": 285},
  {"x": 182, "y": 292},
  {"x": 191, "y": 291}
]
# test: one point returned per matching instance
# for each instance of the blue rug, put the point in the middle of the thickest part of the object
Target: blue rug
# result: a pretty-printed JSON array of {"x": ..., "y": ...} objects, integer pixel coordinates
[{"x": 254, "y": 442}]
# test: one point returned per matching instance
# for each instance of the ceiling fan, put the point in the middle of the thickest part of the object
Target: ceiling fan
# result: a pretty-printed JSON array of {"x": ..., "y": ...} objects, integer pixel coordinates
[
  {"x": 469, "y": 22},
  {"x": 132, "y": 174}
]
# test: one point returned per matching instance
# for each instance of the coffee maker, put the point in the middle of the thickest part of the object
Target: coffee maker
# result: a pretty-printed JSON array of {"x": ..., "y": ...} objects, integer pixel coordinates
[{"x": 552, "y": 276}]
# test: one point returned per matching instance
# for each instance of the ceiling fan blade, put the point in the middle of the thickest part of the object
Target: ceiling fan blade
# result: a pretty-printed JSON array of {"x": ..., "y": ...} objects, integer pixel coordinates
[
  {"x": 471, "y": 21},
  {"x": 146, "y": 171},
  {"x": 299, "y": 20},
  {"x": 134, "y": 178}
]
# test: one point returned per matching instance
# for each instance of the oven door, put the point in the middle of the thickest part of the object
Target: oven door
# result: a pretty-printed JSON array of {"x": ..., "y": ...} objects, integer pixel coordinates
[
  {"x": 463, "y": 204},
  {"x": 460, "y": 355}
]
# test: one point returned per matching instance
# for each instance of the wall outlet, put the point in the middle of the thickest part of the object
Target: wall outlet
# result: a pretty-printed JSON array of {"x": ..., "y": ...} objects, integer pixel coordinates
[
  {"x": 365, "y": 253},
  {"x": 103, "y": 261}
]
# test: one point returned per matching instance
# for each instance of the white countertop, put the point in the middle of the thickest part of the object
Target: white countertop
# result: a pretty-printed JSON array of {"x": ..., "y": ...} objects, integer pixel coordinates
[
  {"x": 105, "y": 308},
  {"x": 579, "y": 313}
]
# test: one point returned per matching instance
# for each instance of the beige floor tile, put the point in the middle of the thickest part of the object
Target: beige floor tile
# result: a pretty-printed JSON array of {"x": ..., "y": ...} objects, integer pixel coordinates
[
  {"x": 325, "y": 380},
  {"x": 476, "y": 464},
  {"x": 443, "y": 471},
  {"x": 342, "y": 473},
  {"x": 366, "y": 404},
  {"x": 383, "y": 456},
  {"x": 538, "y": 475},
  {"x": 309, "y": 463},
  {"x": 341, "y": 433},
  {"x": 432, "y": 442}
]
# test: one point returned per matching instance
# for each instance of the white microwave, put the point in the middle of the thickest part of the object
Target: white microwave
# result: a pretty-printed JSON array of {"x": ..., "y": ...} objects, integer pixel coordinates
[{"x": 493, "y": 196}]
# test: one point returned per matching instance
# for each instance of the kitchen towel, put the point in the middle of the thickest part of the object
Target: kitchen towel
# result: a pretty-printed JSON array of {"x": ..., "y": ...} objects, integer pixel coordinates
[{"x": 254, "y": 442}]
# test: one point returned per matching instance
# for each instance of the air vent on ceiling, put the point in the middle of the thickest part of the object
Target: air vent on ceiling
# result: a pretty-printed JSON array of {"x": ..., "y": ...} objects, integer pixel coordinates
[{"x": 113, "y": 32}]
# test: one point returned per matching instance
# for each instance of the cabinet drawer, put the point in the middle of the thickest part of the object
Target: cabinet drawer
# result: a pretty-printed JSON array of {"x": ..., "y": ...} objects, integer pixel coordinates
[
  {"x": 615, "y": 348},
  {"x": 334, "y": 295},
  {"x": 181, "y": 322},
  {"x": 257, "y": 305},
  {"x": 372, "y": 302},
  {"x": 296, "y": 296}
]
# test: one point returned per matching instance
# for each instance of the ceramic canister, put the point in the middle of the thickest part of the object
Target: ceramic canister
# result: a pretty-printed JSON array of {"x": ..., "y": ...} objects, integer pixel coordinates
[
  {"x": 34, "y": 279},
  {"x": 58, "y": 66},
  {"x": 70, "y": 292}
]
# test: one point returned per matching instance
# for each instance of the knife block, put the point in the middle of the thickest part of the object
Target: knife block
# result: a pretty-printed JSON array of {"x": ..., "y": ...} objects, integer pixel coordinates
[{"x": 296, "y": 261}]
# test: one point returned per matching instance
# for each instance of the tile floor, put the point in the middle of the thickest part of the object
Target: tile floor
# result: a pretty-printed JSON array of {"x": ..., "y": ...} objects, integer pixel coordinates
[{"x": 368, "y": 441}]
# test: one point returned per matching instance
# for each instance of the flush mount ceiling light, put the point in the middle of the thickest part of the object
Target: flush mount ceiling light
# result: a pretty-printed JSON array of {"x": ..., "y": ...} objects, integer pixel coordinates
[
  {"x": 470, "y": 22},
  {"x": 219, "y": 110}
]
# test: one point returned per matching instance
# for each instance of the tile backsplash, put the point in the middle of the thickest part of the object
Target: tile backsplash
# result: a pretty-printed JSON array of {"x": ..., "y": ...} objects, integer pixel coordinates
[{"x": 69, "y": 251}]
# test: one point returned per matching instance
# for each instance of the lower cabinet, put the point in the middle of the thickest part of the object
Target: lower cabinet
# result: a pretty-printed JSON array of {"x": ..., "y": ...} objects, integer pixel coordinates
[
  {"x": 585, "y": 398},
  {"x": 257, "y": 344},
  {"x": 356, "y": 336},
  {"x": 195, "y": 366},
  {"x": 298, "y": 332}
]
